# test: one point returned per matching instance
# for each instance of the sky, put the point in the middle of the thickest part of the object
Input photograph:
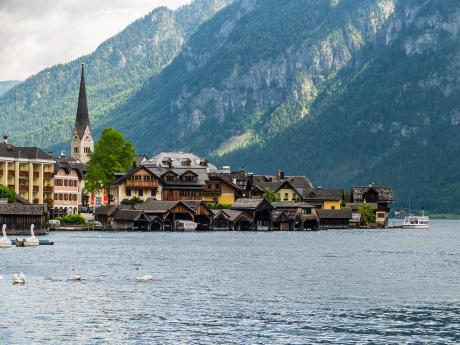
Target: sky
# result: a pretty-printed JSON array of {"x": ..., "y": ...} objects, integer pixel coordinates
[{"x": 35, "y": 34}]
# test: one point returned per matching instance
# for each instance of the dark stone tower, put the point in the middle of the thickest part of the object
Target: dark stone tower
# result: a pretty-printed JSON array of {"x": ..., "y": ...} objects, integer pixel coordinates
[{"x": 82, "y": 142}]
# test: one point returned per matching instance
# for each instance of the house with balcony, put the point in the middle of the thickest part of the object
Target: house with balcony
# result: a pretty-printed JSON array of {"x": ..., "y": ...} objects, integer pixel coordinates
[
  {"x": 28, "y": 171},
  {"x": 287, "y": 188}
]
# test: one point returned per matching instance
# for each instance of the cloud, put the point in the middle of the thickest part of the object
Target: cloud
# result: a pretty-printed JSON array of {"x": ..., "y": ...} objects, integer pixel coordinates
[{"x": 38, "y": 34}]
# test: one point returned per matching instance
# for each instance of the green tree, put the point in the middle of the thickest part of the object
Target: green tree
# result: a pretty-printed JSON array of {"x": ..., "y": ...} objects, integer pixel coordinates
[
  {"x": 72, "y": 219},
  {"x": 7, "y": 193},
  {"x": 270, "y": 196},
  {"x": 112, "y": 154},
  {"x": 367, "y": 214}
]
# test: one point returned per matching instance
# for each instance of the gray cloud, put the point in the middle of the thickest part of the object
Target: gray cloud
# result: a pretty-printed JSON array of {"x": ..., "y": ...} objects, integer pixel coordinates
[{"x": 40, "y": 33}]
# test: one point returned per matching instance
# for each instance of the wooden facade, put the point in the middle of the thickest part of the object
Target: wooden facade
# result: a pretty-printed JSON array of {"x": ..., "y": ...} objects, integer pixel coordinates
[{"x": 18, "y": 218}]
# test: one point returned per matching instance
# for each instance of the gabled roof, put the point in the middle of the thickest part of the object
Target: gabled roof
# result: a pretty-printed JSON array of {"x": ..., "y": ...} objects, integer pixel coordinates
[
  {"x": 234, "y": 215},
  {"x": 298, "y": 182},
  {"x": 251, "y": 204},
  {"x": 321, "y": 194},
  {"x": 385, "y": 194},
  {"x": 107, "y": 210},
  {"x": 334, "y": 214},
  {"x": 156, "y": 206},
  {"x": 20, "y": 209},
  {"x": 132, "y": 172},
  {"x": 291, "y": 204},
  {"x": 175, "y": 159},
  {"x": 280, "y": 214},
  {"x": 130, "y": 215},
  {"x": 17, "y": 152}
]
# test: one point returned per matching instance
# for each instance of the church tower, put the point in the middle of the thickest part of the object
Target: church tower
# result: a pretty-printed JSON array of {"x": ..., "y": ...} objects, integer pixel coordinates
[{"x": 82, "y": 142}]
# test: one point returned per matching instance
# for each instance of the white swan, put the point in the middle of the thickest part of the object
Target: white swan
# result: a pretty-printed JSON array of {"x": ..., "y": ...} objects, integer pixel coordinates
[
  {"x": 19, "y": 278},
  {"x": 4, "y": 240},
  {"x": 31, "y": 241},
  {"x": 75, "y": 276},
  {"x": 143, "y": 277}
]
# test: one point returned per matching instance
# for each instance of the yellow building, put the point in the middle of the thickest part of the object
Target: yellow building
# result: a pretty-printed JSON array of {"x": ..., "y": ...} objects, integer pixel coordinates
[
  {"x": 326, "y": 199},
  {"x": 28, "y": 171},
  {"x": 220, "y": 191}
]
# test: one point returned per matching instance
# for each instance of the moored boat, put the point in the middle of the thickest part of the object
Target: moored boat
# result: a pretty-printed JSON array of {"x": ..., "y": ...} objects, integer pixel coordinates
[{"x": 416, "y": 222}]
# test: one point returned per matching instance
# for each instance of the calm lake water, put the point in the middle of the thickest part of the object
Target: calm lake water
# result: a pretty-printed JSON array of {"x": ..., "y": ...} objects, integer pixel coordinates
[{"x": 343, "y": 287}]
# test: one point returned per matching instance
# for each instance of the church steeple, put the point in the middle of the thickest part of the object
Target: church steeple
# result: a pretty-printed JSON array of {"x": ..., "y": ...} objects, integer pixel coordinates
[
  {"x": 82, "y": 143},
  {"x": 82, "y": 120}
]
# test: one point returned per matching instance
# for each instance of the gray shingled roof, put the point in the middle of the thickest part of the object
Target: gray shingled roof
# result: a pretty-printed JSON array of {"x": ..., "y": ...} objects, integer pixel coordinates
[
  {"x": 156, "y": 206},
  {"x": 15, "y": 152},
  {"x": 291, "y": 204},
  {"x": 177, "y": 158},
  {"x": 323, "y": 194},
  {"x": 385, "y": 194},
  {"x": 248, "y": 204},
  {"x": 20, "y": 209},
  {"x": 334, "y": 214}
]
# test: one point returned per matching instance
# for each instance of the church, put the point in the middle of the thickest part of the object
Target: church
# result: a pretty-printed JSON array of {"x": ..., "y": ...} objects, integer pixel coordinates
[{"x": 82, "y": 142}]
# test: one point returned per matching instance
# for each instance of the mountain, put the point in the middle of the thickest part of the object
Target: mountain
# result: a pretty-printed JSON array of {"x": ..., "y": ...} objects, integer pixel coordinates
[
  {"x": 347, "y": 92},
  {"x": 6, "y": 85},
  {"x": 41, "y": 110},
  {"x": 344, "y": 91}
]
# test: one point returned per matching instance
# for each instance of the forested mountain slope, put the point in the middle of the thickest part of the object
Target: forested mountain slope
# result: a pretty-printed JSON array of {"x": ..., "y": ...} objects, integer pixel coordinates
[{"x": 41, "y": 110}]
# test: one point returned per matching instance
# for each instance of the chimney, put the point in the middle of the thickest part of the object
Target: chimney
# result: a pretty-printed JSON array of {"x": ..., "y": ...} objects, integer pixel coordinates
[
  {"x": 5, "y": 139},
  {"x": 281, "y": 175}
]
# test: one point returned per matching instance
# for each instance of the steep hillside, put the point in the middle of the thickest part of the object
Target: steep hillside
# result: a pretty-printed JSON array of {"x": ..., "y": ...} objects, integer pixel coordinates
[
  {"x": 6, "y": 85},
  {"x": 344, "y": 91},
  {"x": 391, "y": 117},
  {"x": 41, "y": 110},
  {"x": 254, "y": 68}
]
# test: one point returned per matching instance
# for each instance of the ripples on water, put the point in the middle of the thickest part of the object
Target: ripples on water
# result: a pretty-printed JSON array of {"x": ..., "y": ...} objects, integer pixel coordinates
[{"x": 343, "y": 287}]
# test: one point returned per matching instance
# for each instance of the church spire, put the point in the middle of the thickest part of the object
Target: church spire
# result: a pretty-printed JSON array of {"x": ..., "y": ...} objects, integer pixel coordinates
[{"x": 82, "y": 120}]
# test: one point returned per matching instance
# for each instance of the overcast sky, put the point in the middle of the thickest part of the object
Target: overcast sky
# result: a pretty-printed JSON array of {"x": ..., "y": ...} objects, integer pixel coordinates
[{"x": 35, "y": 34}]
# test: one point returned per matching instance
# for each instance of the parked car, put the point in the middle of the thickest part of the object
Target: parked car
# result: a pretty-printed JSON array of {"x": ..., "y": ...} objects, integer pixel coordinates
[
  {"x": 95, "y": 224},
  {"x": 54, "y": 224}
]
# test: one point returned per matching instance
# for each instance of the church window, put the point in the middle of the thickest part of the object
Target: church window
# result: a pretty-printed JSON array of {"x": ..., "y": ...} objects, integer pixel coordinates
[
  {"x": 75, "y": 150},
  {"x": 87, "y": 150}
]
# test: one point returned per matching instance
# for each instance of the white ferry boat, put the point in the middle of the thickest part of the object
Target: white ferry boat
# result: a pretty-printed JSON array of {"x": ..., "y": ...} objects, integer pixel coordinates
[{"x": 416, "y": 222}]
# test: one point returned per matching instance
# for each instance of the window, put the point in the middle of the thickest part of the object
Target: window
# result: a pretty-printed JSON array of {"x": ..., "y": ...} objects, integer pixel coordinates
[
  {"x": 128, "y": 192},
  {"x": 141, "y": 192},
  {"x": 55, "y": 196},
  {"x": 98, "y": 201},
  {"x": 332, "y": 207},
  {"x": 66, "y": 197},
  {"x": 66, "y": 183},
  {"x": 75, "y": 150},
  {"x": 171, "y": 193},
  {"x": 170, "y": 178},
  {"x": 286, "y": 196},
  {"x": 217, "y": 186},
  {"x": 215, "y": 200},
  {"x": 87, "y": 150},
  {"x": 61, "y": 196},
  {"x": 153, "y": 192}
]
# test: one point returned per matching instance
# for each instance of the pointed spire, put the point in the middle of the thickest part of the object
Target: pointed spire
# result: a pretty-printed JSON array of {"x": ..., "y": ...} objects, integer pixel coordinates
[{"x": 82, "y": 120}]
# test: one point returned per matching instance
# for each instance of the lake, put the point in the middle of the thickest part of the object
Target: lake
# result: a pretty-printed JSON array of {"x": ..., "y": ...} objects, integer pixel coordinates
[{"x": 338, "y": 286}]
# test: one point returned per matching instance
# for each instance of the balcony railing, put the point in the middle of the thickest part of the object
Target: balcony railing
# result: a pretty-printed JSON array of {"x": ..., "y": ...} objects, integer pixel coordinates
[
  {"x": 11, "y": 173},
  {"x": 47, "y": 188},
  {"x": 142, "y": 184},
  {"x": 48, "y": 174},
  {"x": 24, "y": 173},
  {"x": 24, "y": 187}
]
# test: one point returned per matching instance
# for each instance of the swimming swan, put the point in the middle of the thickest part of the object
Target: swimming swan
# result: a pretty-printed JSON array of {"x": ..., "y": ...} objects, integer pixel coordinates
[
  {"x": 4, "y": 240},
  {"x": 31, "y": 241},
  {"x": 75, "y": 276},
  {"x": 19, "y": 278},
  {"x": 143, "y": 277}
]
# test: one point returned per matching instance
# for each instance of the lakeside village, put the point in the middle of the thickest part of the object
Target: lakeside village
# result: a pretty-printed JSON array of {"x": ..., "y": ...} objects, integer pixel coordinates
[{"x": 172, "y": 191}]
